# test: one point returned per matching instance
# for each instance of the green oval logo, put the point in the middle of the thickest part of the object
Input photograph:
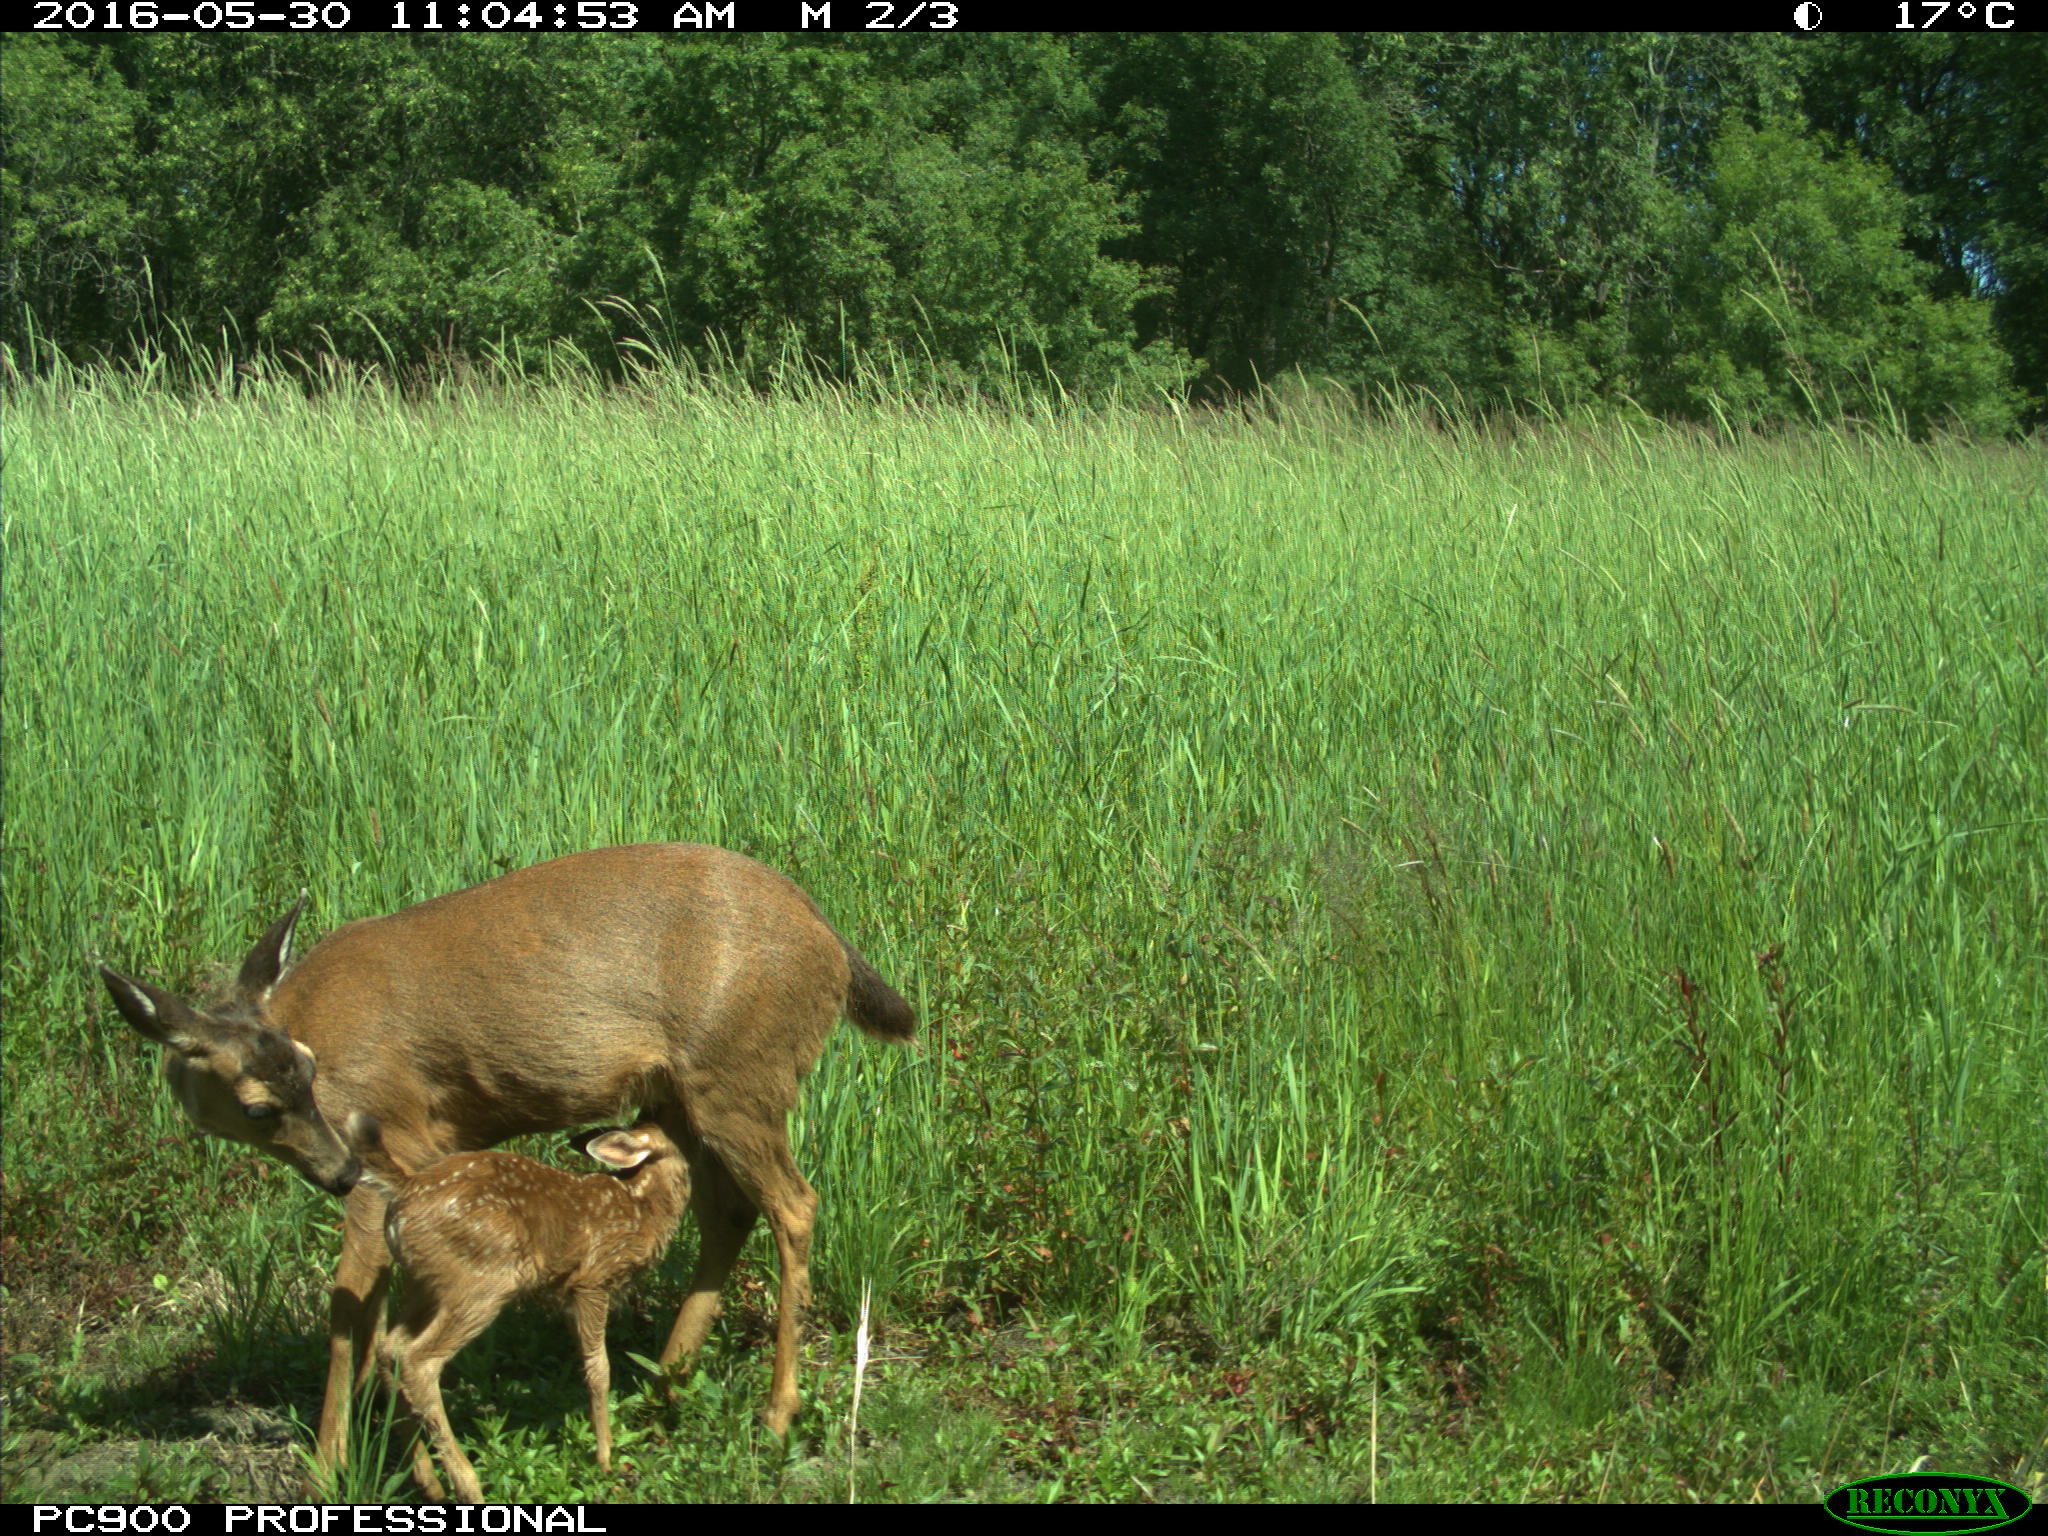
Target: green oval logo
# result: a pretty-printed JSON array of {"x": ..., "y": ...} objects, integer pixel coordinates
[{"x": 1912, "y": 1502}]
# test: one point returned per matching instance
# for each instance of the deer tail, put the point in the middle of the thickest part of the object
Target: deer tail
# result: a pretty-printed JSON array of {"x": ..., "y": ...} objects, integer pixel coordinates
[
  {"x": 874, "y": 1005},
  {"x": 365, "y": 1136}
]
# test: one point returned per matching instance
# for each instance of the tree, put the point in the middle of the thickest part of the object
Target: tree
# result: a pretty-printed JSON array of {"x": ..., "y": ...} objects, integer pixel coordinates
[
  {"x": 903, "y": 194},
  {"x": 1799, "y": 298},
  {"x": 1264, "y": 177},
  {"x": 73, "y": 242},
  {"x": 1960, "y": 125}
]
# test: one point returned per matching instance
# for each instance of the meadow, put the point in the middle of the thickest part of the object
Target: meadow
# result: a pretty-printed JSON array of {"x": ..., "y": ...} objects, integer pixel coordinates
[{"x": 1455, "y": 962}]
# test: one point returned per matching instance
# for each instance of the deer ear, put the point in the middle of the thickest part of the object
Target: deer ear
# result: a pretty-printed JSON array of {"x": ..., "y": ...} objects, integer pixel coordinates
[
  {"x": 621, "y": 1149},
  {"x": 267, "y": 960},
  {"x": 154, "y": 1013}
]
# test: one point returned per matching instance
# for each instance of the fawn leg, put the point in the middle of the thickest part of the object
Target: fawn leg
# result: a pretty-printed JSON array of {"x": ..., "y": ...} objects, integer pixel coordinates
[
  {"x": 394, "y": 1345},
  {"x": 589, "y": 1308},
  {"x": 437, "y": 1328}
]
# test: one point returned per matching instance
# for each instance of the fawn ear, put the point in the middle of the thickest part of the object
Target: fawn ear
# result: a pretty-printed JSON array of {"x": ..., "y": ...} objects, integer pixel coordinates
[
  {"x": 621, "y": 1149},
  {"x": 266, "y": 962}
]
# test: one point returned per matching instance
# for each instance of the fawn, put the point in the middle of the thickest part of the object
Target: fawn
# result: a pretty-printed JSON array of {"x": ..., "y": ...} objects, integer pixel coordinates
[
  {"x": 478, "y": 1230},
  {"x": 687, "y": 980}
]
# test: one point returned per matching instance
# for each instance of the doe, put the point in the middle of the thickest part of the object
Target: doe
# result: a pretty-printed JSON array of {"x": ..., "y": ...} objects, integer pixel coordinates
[
  {"x": 688, "y": 982},
  {"x": 478, "y": 1230}
]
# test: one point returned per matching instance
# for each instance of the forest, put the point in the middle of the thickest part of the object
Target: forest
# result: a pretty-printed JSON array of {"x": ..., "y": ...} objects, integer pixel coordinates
[{"x": 1743, "y": 229}]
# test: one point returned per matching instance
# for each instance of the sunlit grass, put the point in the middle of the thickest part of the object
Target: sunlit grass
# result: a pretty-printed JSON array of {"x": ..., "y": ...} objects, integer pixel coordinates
[{"x": 1550, "y": 922}]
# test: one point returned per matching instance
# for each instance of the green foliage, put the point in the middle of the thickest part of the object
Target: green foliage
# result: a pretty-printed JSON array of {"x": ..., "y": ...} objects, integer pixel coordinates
[
  {"x": 916, "y": 198},
  {"x": 1558, "y": 224},
  {"x": 72, "y": 236},
  {"x": 464, "y": 264},
  {"x": 1455, "y": 962},
  {"x": 1261, "y": 173},
  {"x": 1960, "y": 124},
  {"x": 1804, "y": 303}
]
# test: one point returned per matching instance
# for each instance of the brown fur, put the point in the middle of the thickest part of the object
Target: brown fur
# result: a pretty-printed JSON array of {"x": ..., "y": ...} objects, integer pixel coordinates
[
  {"x": 478, "y": 1230},
  {"x": 685, "y": 979}
]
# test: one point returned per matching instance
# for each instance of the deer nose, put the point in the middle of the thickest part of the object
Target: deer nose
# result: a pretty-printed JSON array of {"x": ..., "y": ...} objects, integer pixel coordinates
[{"x": 346, "y": 1180}]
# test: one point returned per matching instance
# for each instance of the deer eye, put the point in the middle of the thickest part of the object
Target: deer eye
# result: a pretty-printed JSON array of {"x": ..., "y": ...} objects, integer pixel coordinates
[{"x": 260, "y": 1111}]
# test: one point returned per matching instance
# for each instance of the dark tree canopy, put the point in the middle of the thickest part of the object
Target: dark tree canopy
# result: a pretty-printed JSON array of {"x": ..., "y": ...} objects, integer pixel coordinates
[{"x": 1750, "y": 229}]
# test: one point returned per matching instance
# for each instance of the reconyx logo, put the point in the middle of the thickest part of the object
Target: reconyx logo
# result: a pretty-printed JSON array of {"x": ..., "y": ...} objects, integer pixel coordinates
[{"x": 1948, "y": 1502}]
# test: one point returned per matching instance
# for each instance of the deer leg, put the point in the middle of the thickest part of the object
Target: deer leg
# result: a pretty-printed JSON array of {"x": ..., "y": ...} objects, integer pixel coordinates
[
  {"x": 354, "y": 1321},
  {"x": 375, "y": 1305},
  {"x": 758, "y": 1159},
  {"x": 724, "y": 1218},
  {"x": 432, "y": 1341},
  {"x": 421, "y": 1381},
  {"x": 394, "y": 1344},
  {"x": 589, "y": 1309},
  {"x": 792, "y": 1211}
]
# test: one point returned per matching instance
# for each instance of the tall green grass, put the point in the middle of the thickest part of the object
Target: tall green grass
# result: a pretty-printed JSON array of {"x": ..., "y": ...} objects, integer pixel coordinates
[{"x": 1549, "y": 922}]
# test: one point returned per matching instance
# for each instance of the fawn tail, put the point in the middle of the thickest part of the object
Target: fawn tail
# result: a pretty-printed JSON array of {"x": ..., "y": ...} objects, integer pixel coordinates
[{"x": 365, "y": 1135}]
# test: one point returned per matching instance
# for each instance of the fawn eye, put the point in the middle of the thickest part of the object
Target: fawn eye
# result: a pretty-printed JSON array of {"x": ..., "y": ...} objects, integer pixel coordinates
[{"x": 260, "y": 1111}]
